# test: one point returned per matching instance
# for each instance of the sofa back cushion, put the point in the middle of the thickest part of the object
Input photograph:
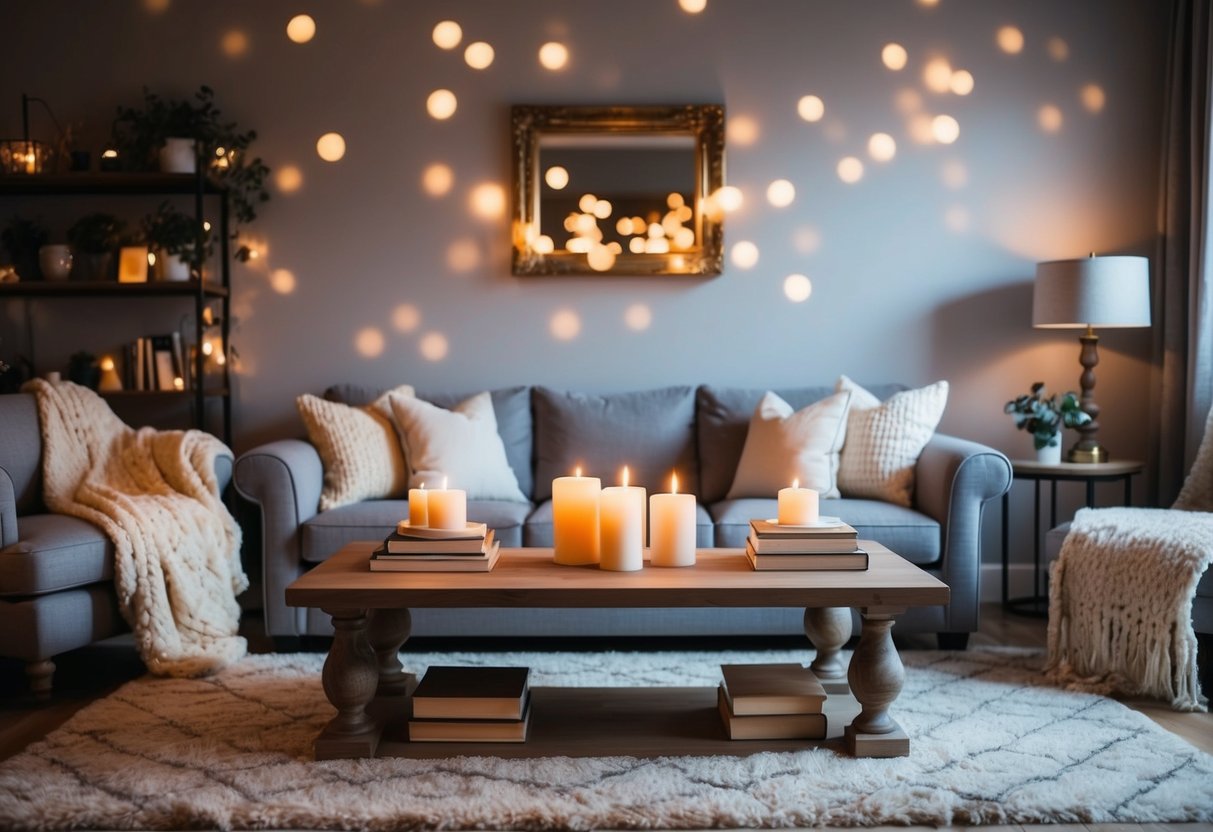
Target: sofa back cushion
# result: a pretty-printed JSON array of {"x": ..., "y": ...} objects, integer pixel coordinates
[
  {"x": 21, "y": 449},
  {"x": 511, "y": 405},
  {"x": 651, "y": 431},
  {"x": 723, "y": 419}
]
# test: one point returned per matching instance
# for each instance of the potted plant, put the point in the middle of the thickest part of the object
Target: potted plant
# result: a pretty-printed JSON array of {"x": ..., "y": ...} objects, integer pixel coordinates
[
  {"x": 174, "y": 237},
  {"x": 1044, "y": 417},
  {"x": 22, "y": 238},
  {"x": 83, "y": 370},
  {"x": 141, "y": 133},
  {"x": 94, "y": 238}
]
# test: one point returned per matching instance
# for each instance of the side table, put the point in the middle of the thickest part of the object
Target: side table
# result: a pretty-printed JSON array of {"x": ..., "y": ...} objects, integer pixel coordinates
[{"x": 1053, "y": 473}]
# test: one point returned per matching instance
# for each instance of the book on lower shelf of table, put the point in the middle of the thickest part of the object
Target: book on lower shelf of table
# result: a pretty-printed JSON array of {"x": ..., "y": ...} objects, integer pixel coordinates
[
  {"x": 771, "y": 701},
  {"x": 471, "y": 704},
  {"x": 853, "y": 561},
  {"x": 471, "y": 730},
  {"x": 383, "y": 561},
  {"x": 770, "y": 726}
]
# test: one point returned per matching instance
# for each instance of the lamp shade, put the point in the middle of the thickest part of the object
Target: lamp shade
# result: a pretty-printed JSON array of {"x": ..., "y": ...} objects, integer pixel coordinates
[{"x": 1092, "y": 291}]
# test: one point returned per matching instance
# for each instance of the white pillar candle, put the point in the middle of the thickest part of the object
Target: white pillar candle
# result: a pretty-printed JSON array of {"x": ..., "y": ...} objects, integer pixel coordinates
[
  {"x": 418, "y": 507},
  {"x": 672, "y": 528},
  {"x": 640, "y": 496},
  {"x": 447, "y": 508},
  {"x": 132, "y": 264},
  {"x": 621, "y": 516},
  {"x": 575, "y": 519},
  {"x": 797, "y": 506}
]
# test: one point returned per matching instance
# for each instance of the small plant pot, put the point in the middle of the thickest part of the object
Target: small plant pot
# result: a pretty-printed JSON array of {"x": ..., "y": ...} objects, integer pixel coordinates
[
  {"x": 1049, "y": 454},
  {"x": 55, "y": 261},
  {"x": 172, "y": 267},
  {"x": 178, "y": 156},
  {"x": 88, "y": 266}
]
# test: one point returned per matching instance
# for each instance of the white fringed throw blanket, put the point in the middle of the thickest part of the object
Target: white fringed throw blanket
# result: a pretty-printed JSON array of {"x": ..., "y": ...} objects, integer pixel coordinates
[
  {"x": 176, "y": 547},
  {"x": 1120, "y": 603}
]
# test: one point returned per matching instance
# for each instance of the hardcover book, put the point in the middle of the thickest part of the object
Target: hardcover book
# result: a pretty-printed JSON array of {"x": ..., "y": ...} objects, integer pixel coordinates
[
  {"x": 770, "y": 726},
  {"x": 824, "y": 531},
  {"x": 471, "y": 531},
  {"x": 398, "y": 544},
  {"x": 800, "y": 545},
  {"x": 752, "y": 689},
  {"x": 446, "y": 692},
  {"x": 855, "y": 561},
  {"x": 475, "y": 730},
  {"x": 381, "y": 561}
]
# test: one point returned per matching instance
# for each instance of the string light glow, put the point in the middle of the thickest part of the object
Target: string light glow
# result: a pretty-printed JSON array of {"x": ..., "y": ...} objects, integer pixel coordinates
[{"x": 301, "y": 28}]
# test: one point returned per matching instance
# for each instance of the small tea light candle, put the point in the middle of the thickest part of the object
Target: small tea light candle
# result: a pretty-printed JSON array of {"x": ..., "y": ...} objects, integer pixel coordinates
[
  {"x": 621, "y": 527},
  {"x": 446, "y": 508},
  {"x": 418, "y": 507},
  {"x": 672, "y": 527},
  {"x": 797, "y": 506},
  {"x": 575, "y": 519}
]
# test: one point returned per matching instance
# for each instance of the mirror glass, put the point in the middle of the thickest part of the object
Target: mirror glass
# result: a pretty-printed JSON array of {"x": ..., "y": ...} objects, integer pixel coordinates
[{"x": 619, "y": 190}]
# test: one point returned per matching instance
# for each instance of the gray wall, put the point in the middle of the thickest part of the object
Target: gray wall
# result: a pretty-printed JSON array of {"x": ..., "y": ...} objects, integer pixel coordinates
[{"x": 916, "y": 276}]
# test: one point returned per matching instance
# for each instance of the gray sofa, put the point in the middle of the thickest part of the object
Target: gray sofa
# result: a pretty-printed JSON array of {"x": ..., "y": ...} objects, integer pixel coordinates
[
  {"x": 56, "y": 571},
  {"x": 700, "y": 431}
]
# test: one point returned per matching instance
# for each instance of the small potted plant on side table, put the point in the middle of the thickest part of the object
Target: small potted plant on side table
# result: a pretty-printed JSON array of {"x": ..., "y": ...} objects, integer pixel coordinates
[
  {"x": 1044, "y": 417},
  {"x": 173, "y": 237}
]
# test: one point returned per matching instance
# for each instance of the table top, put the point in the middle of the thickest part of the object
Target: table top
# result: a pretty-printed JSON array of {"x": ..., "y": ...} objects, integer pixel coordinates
[
  {"x": 529, "y": 578},
  {"x": 1114, "y": 469}
]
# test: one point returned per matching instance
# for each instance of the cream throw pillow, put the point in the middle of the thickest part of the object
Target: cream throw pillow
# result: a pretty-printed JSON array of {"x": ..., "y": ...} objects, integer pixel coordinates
[
  {"x": 358, "y": 446},
  {"x": 885, "y": 439},
  {"x": 783, "y": 445},
  {"x": 461, "y": 444}
]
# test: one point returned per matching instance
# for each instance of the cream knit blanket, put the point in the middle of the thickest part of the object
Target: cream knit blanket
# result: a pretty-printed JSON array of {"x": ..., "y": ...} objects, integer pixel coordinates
[
  {"x": 176, "y": 547},
  {"x": 1120, "y": 603}
]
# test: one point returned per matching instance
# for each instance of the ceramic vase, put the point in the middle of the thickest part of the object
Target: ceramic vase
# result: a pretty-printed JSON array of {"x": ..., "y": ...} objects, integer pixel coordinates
[
  {"x": 178, "y": 156},
  {"x": 1049, "y": 454}
]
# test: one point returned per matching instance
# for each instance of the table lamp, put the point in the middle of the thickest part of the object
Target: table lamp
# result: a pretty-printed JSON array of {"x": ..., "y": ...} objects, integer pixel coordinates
[{"x": 1084, "y": 294}]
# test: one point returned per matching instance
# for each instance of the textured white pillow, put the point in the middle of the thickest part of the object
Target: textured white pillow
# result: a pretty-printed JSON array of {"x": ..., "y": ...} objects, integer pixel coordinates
[
  {"x": 461, "y": 444},
  {"x": 358, "y": 446},
  {"x": 783, "y": 445},
  {"x": 885, "y": 439}
]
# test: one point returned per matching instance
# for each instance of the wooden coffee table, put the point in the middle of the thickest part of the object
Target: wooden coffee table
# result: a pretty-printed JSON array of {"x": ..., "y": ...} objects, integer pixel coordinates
[{"x": 365, "y": 682}]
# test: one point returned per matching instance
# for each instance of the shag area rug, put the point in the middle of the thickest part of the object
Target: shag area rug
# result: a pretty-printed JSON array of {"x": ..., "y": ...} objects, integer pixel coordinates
[{"x": 990, "y": 743}]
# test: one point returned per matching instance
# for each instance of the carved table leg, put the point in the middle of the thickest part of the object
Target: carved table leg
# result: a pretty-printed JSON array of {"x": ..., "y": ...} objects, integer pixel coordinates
[
  {"x": 876, "y": 677},
  {"x": 828, "y": 628},
  {"x": 389, "y": 629},
  {"x": 350, "y": 677}
]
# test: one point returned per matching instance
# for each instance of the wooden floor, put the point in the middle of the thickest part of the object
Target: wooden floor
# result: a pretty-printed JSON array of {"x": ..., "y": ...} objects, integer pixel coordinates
[{"x": 91, "y": 673}]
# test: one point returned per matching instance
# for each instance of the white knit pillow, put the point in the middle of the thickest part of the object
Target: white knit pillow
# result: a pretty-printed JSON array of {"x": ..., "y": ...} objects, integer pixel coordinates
[
  {"x": 1197, "y": 491},
  {"x": 884, "y": 440},
  {"x": 782, "y": 446},
  {"x": 358, "y": 446},
  {"x": 461, "y": 445}
]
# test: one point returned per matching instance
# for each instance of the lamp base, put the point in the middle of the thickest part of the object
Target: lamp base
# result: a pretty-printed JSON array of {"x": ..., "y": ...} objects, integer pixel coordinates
[{"x": 1092, "y": 454}]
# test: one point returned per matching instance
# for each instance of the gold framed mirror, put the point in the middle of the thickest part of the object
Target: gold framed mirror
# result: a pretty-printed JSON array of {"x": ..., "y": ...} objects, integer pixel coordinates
[{"x": 618, "y": 190}]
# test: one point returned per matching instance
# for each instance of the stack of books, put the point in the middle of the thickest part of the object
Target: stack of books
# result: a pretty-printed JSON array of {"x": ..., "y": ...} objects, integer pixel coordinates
[
  {"x": 471, "y": 704},
  {"x": 771, "y": 702},
  {"x": 829, "y": 544},
  {"x": 425, "y": 549}
]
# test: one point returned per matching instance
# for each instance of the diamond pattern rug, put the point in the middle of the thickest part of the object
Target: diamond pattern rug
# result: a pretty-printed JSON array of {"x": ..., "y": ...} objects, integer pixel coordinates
[{"x": 991, "y": 743}]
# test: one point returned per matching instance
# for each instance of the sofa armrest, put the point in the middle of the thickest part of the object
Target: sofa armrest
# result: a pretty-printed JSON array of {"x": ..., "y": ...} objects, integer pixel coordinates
[
  {"x": 284, "y": 479},
  {"x": 954, "y": 480},
  {"x": 8, "y": 510}
]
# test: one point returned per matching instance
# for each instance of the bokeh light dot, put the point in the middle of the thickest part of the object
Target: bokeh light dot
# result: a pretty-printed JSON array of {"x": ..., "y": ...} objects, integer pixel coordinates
[
  {"x": 331, "y": 147},
  {"x": 488, "y": 200},
  {"x": 478, "y": 55},
  {"x": 437, "y": 179},
  {"x": 730, "y": 197},
  {"x": 742, "y": 131},
  {"x": 282, "y": 281},
  {"x": 962, "y": 82},
  {"x": 288, "y": 179},
  {"x": 638, "y": 317},
  {"x": 781, "y": 193},
  {"x": 556, "y": 177},
  {"x": 301, "y": 28},
  {"x": 882, "y": 147},
  {"x": 945, "y": 129},
  {"x": 850, "y": 170},
  {"x": 565, "y": 325},
  {"x": 693, "y": 6},
  {"x": 797, "y": 288},
  {"x": 447, "y": 34},
  {"x": 463, "y": 255},
  {"x": 937, "y": 75},
  {"x": 744, "y": 254},
  {"x": 1093, "y": 98},
  {"x": 553, "y": 55},
  {"x": 234, "y": 44},
  {"x": 406, "y": 317},
  {"x": 434, "y": 346},
  {"x": 1059, "y": 50},
  {"x": 1010, "y": 40},
  {"x": 369, "y": 342},
  {"x": 441, "y": 104},
  {"x": 894, "y": 56},
  {"x": 1049, "y": 118},
  {"x": 811, "y": 108}
]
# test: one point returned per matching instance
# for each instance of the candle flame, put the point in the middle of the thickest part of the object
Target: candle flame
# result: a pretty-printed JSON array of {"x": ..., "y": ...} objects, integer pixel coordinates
[
  {"x": 578, "y": 473},
  {"x": 673, "y": 483},
  {"x": 423, "y": 486},
  {"x": 796, "y": 483},
  {"x": 625, "y": 476},
  {"x": 444, "y": 483}
]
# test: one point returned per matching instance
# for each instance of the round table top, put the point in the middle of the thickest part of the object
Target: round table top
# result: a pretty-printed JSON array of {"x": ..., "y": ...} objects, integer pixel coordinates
[{"x": 1093, "y": 470}]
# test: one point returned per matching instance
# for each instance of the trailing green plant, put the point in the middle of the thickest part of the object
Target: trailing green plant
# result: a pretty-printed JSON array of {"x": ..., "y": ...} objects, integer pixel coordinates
[
  {"x": 173, "y": 232},
  {"x": 1044, "y": 416},
  {"x": 21, "y": 238},
  {"x": 96, "y": 233},
  {"x": 139, "y": 133}
]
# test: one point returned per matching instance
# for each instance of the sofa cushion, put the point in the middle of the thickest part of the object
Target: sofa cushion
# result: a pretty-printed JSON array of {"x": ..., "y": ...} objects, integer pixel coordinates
[
  {"x": 652, "y": 432},
  {"x": 512, "y": 406},
  {"x": 56, "y": 551},
  {"x": 884, "y": 440},
  {"x": 538, "y": 529},
  {"x": 459, "y": 446},
  {"x": 723, "y": 419},
  {"x": 328, "y": 531},
  {"x": 783, "y": 447},
  {"x": 907, "y": 532},
  {"x": 359, "y": 447}
]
